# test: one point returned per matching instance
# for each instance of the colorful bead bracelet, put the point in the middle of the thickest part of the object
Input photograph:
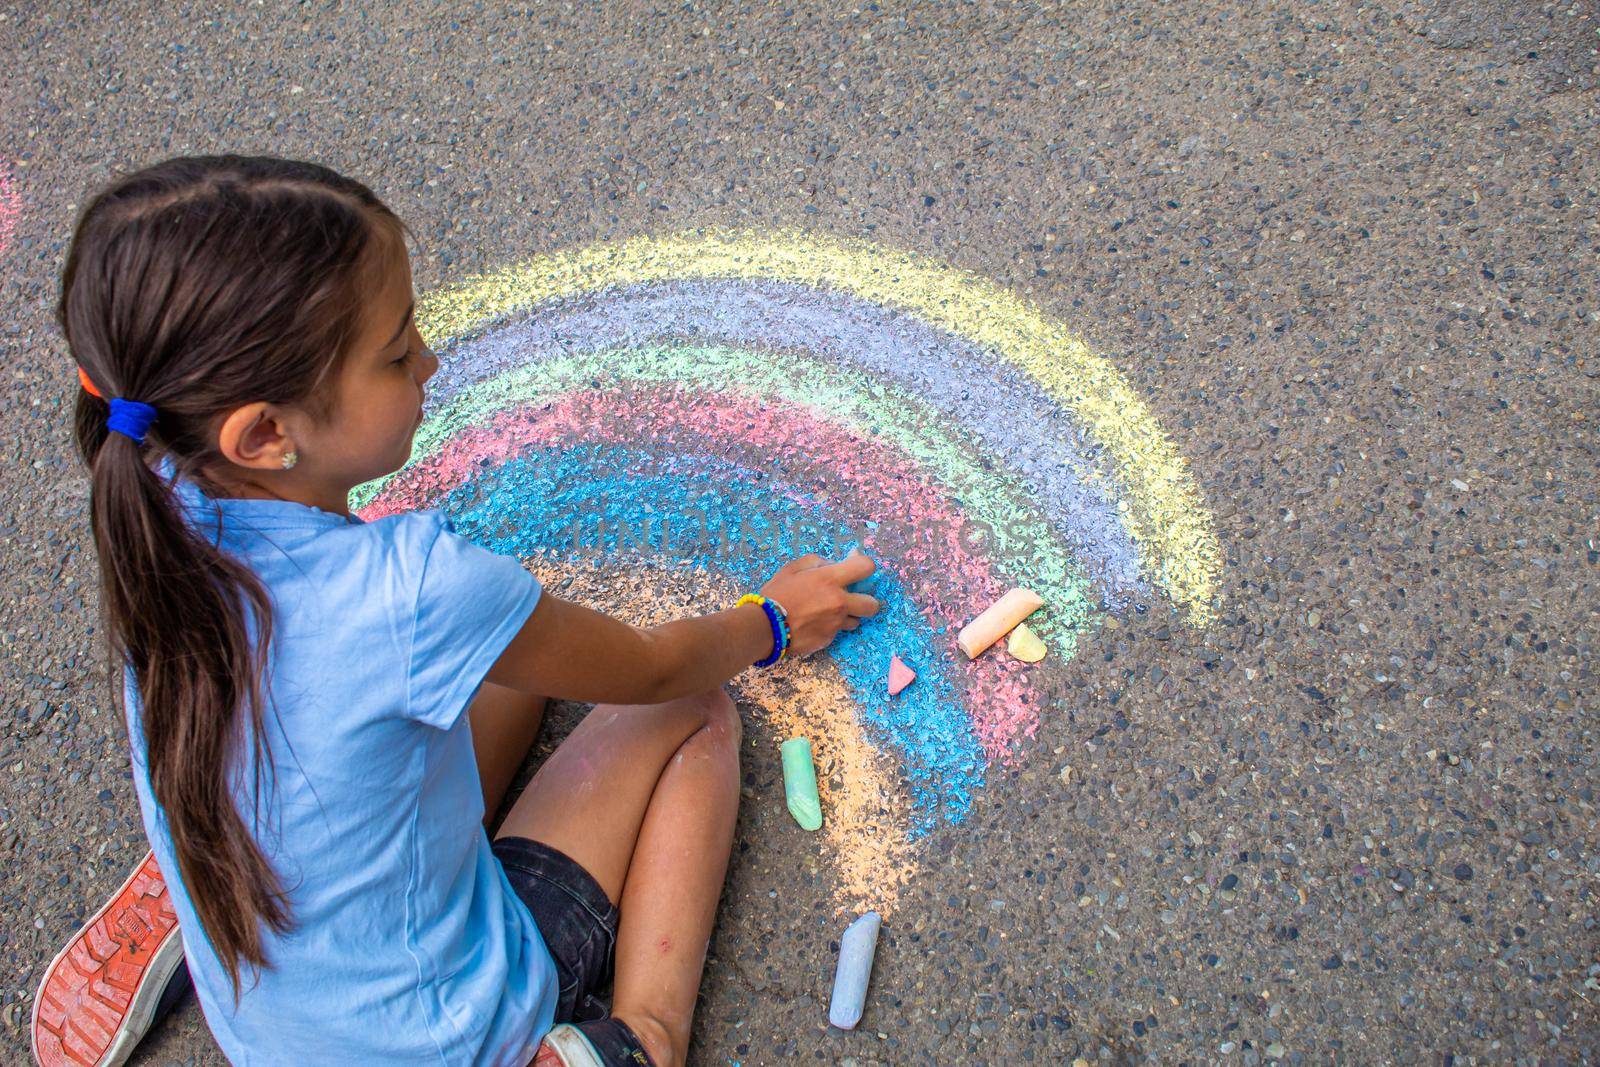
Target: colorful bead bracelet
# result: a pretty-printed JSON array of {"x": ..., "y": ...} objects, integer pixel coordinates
[{"x": 777, "y": 618}]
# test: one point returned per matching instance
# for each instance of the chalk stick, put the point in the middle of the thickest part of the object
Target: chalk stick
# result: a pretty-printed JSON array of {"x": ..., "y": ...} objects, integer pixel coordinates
[
  {"x": 1024, "y": 644},
  {"x": 800, "y": 783},
  {"x": 997, "y": 620},
  {"x": 856, "y": 949},
  {"x": 900, "y": 675}
]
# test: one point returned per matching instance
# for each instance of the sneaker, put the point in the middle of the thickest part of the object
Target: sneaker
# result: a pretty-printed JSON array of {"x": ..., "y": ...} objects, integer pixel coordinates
[
  {"x": 564, "y": 1046},
  {"x": 105, "y": 989},
  {"x": 567, "y": 1045}
]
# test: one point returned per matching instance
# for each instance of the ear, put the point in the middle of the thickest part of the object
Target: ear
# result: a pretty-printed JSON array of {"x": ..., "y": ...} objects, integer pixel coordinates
[{"x": 255, "y": 436}]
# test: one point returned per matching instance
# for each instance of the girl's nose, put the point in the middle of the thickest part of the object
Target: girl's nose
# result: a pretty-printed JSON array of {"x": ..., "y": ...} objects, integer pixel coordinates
[{"x": 429, "y": 364}]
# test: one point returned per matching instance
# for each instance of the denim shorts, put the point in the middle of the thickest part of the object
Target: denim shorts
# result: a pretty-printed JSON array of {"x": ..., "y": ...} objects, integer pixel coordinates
[
  {"x": 579, "y": 925},
  {"x": 575, "y": 917}
]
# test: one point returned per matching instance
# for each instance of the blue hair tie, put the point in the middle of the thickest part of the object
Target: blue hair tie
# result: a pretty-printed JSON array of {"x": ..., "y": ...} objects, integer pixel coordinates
[{"x": 131, "y": 418}]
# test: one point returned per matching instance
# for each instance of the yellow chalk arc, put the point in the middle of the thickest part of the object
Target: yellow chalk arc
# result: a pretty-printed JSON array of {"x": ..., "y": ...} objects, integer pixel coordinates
[{"x": 1161, "y": 508}]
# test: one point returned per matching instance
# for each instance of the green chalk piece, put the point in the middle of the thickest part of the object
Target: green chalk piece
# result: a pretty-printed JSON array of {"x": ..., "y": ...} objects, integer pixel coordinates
[{"x": 800, "y": 783}]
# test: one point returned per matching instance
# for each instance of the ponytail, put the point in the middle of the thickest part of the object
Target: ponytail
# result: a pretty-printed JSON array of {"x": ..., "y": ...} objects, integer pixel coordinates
[{"x": 175, "y": 613}]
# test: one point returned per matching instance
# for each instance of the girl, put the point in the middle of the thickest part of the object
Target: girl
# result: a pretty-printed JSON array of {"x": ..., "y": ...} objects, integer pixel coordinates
[{"x": 323, "y": 711}]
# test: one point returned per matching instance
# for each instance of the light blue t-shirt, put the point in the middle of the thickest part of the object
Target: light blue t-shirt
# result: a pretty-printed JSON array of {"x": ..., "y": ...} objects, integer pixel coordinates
[{"x": 410, "y": 946}]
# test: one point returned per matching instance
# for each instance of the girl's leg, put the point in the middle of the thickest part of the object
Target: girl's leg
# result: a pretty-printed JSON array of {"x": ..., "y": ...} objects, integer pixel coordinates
[
  {"x": 504, "y": 725},
  {"x": 670, "y": 899},
  {"x": 645, "y": 798}
]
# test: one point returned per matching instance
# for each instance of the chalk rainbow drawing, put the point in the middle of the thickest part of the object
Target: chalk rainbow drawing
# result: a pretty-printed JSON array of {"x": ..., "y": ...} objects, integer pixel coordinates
[{"x": 705, "y": 404}]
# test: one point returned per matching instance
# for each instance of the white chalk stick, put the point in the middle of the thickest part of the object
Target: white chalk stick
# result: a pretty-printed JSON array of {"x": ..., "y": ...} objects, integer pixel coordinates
[
  {"x": 856, "y": 949},
  {"x": 997, "y": 620}
]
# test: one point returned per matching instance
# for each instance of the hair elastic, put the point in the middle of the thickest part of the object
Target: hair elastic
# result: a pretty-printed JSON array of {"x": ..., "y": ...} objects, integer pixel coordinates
[{"x": 131, "y": 418}]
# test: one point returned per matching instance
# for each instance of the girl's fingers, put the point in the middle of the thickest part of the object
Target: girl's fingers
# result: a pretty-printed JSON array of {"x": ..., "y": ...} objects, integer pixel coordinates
[
  {"x": 805, "y": 562},
  {"x": 861, "y": 604},
  {"x": 851, "y": 569}
]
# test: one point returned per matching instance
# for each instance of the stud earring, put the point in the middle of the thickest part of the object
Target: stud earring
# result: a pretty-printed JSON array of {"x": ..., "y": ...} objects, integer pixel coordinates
[{"x": 290, "y": 458}]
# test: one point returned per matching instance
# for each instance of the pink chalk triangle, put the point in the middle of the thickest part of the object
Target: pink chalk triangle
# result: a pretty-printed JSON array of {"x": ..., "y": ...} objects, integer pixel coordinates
[{"x": 900, "y": 675}]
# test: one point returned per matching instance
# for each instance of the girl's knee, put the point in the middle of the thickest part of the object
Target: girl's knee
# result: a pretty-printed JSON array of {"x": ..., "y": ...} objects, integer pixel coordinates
[{"x": 720, "y": 720}]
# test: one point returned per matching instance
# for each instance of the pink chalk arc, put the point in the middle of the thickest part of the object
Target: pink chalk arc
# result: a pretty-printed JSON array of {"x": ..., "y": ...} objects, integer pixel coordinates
[{"x": 949, "y": 582}]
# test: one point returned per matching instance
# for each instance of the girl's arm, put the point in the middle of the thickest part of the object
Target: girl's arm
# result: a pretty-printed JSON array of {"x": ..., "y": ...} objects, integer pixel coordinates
[{"x": 569, "y": 652}]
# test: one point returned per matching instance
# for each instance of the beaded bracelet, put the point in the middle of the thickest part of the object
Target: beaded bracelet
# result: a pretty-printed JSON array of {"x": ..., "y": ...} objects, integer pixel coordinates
[{"x": 778, "y": 619}]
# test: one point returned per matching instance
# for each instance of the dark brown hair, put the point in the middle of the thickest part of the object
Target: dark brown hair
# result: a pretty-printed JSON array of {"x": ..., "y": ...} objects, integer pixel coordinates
[{"x": 198, "y": 285}]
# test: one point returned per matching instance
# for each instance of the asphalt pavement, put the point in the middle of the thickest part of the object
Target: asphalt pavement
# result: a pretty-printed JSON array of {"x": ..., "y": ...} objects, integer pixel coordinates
[{"x": 1348, "y": 255}]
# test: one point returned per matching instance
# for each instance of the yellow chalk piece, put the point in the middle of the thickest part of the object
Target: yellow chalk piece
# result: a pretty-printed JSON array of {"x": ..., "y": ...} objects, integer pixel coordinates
[
  {"x": 997, "y": 620},
  {"x": 1025, "y": 644}
]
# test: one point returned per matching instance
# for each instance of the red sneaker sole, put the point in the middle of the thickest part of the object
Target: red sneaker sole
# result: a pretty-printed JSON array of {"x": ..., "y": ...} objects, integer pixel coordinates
[{"x": 101, "y": 991}]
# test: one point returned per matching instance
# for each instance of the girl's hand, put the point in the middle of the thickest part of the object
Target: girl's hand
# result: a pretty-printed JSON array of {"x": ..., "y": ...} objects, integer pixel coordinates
[
  {"x": 569, "y": 652},
  {"x": 812, "y": 593}
]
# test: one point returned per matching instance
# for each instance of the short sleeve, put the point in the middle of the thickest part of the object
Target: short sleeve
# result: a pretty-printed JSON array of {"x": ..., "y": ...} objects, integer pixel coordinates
[{"x": 470, "y": 604}]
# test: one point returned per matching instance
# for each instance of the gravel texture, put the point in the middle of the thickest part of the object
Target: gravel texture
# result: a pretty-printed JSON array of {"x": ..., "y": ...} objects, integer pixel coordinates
[{"x": 1348, "y": 255}]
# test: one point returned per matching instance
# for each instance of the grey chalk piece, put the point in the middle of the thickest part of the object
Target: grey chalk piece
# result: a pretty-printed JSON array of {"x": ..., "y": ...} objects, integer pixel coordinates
[{"x": 856, "y": 949}]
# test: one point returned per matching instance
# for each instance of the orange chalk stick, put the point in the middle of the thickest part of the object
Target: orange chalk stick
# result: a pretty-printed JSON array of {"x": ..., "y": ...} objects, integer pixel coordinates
[{"x": 997, "y": 620}]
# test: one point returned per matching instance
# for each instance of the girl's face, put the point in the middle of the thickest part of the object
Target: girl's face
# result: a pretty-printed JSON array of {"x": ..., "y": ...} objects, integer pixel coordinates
[
  {"x": 378, "y": 399},
  {"x": 377, "y": 407}
]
